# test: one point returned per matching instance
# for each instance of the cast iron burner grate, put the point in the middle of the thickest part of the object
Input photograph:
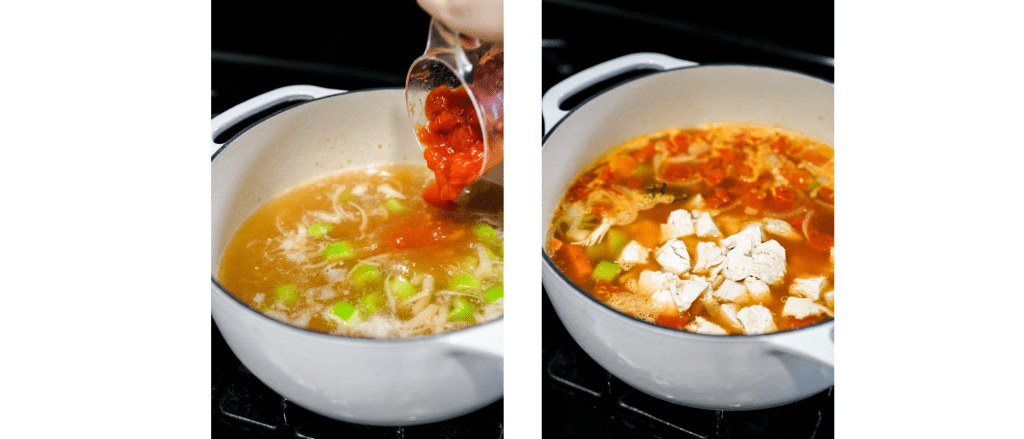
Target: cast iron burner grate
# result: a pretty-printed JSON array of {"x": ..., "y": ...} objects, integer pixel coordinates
[
  {"x": 581, "y": 399},
  {"x": 244, "y": 407}
]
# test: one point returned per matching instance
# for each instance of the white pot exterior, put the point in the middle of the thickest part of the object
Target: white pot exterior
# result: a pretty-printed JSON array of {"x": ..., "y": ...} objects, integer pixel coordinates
[
  {"x": 730, "y": 373},
  {"x": 376, "y": 382}
]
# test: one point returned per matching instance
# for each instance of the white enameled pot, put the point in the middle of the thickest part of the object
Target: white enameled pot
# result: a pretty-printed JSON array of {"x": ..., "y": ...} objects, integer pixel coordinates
[
  {"x": 705, "y": 371},
  {"x": 376, "y": 382}
]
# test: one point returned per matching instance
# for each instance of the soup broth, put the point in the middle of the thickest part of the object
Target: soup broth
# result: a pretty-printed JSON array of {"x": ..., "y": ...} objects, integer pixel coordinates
[
  {"x": 720, "y": 229},
  {"x": 360, "y": 254}
]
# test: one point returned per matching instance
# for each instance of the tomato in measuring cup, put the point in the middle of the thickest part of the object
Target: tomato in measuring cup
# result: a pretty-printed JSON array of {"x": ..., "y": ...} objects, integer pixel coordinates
[{"x": 453, "y": 142}]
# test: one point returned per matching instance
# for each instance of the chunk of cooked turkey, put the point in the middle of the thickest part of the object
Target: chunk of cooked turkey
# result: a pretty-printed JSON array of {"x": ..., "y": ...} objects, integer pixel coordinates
[
  {"x": 632, "y": 254},
  {"x": 731, "y": 291},
  {"x": 809, "y": 287},
  {"x": 701, "y": 325},
  {"x": 800, "y": 307},
  {"x": 651, "y": 282},
  {"x": 673, "y": 257},
  {"x": 687, "y": 291},
  {"x": 705, "y": 226},
  {"x": 756, "y": 319},
  {"x": 709, "y": 255},
  {"x": 679, "y": 224}
]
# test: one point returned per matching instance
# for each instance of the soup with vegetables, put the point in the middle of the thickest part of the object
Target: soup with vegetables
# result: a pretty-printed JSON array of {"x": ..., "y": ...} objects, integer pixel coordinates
[
  {"x": 361, "y": 254},
  {"x": 721, "y": 229}
]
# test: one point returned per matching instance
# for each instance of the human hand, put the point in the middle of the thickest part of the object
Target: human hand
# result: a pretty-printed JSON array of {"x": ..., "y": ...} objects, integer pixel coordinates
[{"x": 482, "y": 19}]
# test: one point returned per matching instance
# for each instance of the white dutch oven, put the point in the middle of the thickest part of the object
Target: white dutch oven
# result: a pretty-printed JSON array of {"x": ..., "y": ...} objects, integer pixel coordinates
[
  {"x": 377, "y": 382},
  {"x": 712, "y": 372}
]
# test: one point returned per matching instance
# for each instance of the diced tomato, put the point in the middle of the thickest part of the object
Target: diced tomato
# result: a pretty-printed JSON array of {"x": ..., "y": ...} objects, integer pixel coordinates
[
  {"x": 717, "y": 197},
  {"x": 432, "y": 196},
  {"x": 781, "y": 145},
  {"x": 819, "y": 241},
  {"x": 728, "y": 154},
  {"x": 797, "y": 222},
  {"x": 713, "y": 171},
  {"x": 677, "y": 171},
  {"x": 453, "y": 143},
  {"x": 634, "y": 182},
  {"x": 606, "y": 174},
  {"x": 814, "y": 157},
  {"x": 782, "y": 199},
  {"x": 827, "y": 195},
  {"x": 680, "y": 143},
  {"x": 644, "y": 154},
  {"x": 754, "y": 199},
  {"x": 799, "y": 179},
  {"x": 600, "y": 209}
]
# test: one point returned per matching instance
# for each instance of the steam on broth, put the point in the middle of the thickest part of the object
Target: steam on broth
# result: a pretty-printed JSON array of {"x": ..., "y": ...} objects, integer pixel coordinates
[
  {"x": 359, "y": 253},
  {"x": 721, "y": 229}
]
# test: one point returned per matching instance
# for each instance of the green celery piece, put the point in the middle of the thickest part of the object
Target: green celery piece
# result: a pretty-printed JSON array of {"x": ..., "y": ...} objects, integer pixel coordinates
[
  {"x": 365, "y": 275},
  {"x": 287, "y": 293},
  {"x": 319, "y": 229},
  {"x": 494, "y": 293},
  {"x": 372, "y": 303},
  {"x": 461, "y": 310},
  {"x": 596, "y": 251},
  {"x": 464, "y": 283},
  {"x": 394, "y": 205},
  {"x": 486, "y": 233},
  {"x": 336, "y": 251},
  {"x": 402, "y": 288},
  {"x": 606, "y": 271},
  {"x": 616, "y": 241},
  {"x": 346, "y": 197},
  {"x": 348, "y": 313}
]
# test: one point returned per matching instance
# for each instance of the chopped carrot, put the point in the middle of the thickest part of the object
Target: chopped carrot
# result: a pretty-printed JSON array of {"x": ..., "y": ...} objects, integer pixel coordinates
[
  {"x": 579, "y": 265},
  {"x": 622, "y": 166},
  {"x": 555, "y": 244}
]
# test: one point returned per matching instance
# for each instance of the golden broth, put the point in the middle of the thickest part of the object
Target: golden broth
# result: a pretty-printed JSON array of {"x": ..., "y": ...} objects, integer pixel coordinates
[{"x": 359, "y": 253}]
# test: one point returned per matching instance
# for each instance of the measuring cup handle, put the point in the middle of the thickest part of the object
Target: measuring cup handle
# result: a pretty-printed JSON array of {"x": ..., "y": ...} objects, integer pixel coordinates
[
  {"x": 266, "y": 100},
  {"x": 576, "y": 83}
]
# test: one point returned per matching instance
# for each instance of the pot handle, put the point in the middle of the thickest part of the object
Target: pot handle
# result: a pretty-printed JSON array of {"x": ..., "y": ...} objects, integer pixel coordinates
[
  {"x": 262, "y": 102},
  {"x": 478, "y": 343},
  {"x": 556, "y": 95},
  {"x": 813, "y": 345}
]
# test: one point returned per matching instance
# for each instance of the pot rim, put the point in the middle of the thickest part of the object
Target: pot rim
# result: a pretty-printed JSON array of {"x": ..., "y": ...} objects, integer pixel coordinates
[
  {"x": 619, "y": 314},
  {"x": 654, "y": 73},
  {"x": 340, "y": 339}
]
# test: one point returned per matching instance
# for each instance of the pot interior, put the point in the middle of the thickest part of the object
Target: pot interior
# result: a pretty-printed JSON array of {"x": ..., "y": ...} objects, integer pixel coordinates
[{"x": 684, "y": 97}]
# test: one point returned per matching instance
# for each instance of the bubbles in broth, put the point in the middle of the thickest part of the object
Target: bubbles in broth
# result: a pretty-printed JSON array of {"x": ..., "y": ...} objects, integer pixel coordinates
[{"x": 360, "y": 254}]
